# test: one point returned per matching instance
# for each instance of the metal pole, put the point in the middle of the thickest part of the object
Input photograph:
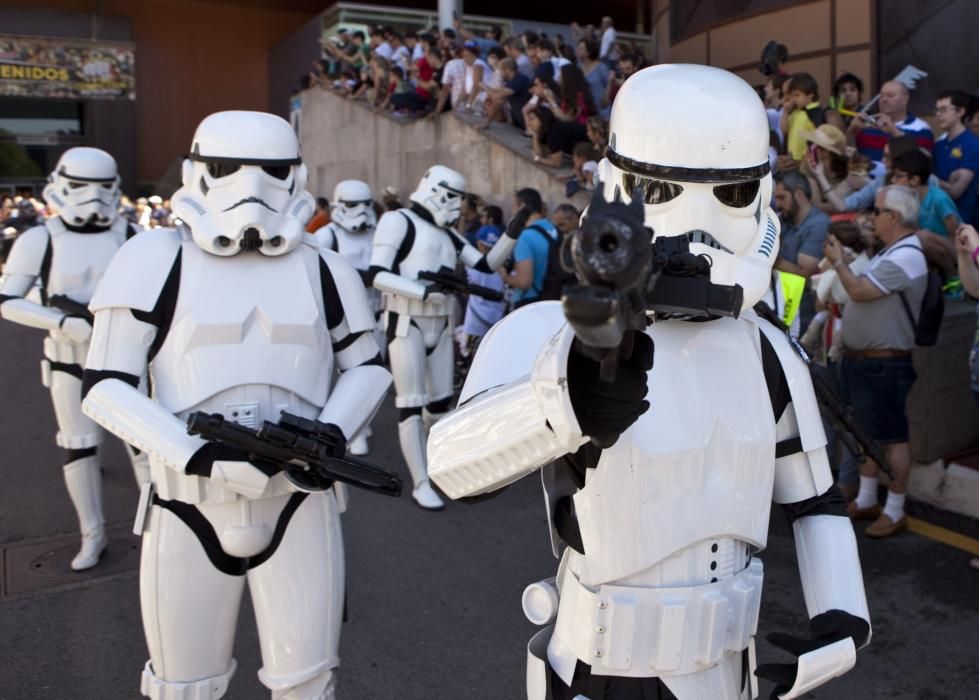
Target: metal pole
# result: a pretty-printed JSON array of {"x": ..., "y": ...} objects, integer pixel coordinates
[{"x": 448, "y": 9}]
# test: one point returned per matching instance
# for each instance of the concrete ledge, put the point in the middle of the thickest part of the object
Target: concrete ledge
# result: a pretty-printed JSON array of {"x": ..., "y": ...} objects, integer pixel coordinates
[
  {"x": 348, "y": 140},
  {"x": 954, "y": 488}
]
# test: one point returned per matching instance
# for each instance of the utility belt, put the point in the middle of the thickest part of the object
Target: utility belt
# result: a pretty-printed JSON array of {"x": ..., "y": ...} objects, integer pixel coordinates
[
  {"x": 645, "y": 632},
  {"x": 437, "y": 304}
]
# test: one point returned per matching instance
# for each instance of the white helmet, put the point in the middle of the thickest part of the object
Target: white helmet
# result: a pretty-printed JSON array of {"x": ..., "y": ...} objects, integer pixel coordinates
[
  {"x": 352, "y": 206},
  {"x": 440, "y": 192},
  {"x": 694, "y": 141},
  {"x": 244, "y": 185},
  {"x": 84, "y": 187}
]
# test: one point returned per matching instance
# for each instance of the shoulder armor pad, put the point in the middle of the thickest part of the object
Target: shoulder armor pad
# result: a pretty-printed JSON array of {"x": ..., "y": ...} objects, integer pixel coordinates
[
  {"x": 27, "y": 253},
  {"x": 510, "y": 348},
  {"x": 353, "y": 296},
  {"x": 135, "y": 277},
  {"x": 796, "y": 370}
]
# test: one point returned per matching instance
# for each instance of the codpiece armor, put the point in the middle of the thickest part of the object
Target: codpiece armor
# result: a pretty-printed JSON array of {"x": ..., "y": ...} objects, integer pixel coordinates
[
  {"x": 244, "y": 318},
  {"x": 658, "y": 529},
  {"x": 417, "y": 317},
  {"x": 66, "y": 256},
  {"x": 351, "y": 234}
]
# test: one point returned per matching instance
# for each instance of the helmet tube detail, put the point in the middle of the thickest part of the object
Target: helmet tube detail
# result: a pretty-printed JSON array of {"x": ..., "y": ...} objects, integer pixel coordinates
[{"x": 244, "y": 185}]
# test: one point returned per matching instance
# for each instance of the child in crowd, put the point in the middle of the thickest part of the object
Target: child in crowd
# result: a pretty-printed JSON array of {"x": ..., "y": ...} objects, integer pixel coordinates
[{"x": 584, "y": 159}]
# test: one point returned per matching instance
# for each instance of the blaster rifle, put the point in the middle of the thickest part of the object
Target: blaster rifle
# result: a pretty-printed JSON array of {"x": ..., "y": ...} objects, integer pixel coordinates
[
  {"x": 832, "y": 408},
  {"x": 448, "y": 280},
  {"x": 71, "y": 307},
  {"x": 301, "y": 447},
  {"x": 624, "y": 276}
]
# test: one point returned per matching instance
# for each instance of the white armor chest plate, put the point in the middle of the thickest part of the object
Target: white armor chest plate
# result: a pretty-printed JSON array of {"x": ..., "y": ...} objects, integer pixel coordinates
[
  {"x": 697, "y": 466},
  {"x": 355, "y": 247},
  {"x": 78, "y": 260},
  {"x": 245, "y": 320},
  {"x": 431, "y": 250}
]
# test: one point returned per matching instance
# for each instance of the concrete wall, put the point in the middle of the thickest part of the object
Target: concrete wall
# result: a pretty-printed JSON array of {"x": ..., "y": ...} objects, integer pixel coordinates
[{"x": 345, "y": 140}]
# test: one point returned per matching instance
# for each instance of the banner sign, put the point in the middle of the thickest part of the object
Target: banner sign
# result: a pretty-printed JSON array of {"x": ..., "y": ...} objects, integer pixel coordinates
[{"x": 66, "y": 68}]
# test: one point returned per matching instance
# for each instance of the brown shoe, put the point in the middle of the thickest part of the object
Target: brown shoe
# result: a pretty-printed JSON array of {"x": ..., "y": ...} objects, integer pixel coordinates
[
  {"x": 885, "y": 527},
  {"x": 870, "y": 513}
]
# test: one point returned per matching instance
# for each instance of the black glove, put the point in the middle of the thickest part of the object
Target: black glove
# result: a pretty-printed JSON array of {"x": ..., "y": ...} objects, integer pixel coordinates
[
  {"x": 518, "y": 223},
  {"x": 606, "y": 409},
  {"x": 336, "y": 440},
  {"x": 827, "y": 628}
]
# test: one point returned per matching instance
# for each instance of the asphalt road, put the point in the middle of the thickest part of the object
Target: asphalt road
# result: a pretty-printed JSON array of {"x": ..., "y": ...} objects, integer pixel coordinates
[{"x": 433, "y": 598}]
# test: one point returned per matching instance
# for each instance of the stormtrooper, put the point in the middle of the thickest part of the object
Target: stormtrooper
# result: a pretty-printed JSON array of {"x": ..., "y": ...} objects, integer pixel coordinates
[
  {"x": 351, "y": 234},
  {"x": 417, "y": 316},
  {"x": 234, "y": 313},
  {"x": 67, "y": 255},
  {"x": 659, "y": 482}
]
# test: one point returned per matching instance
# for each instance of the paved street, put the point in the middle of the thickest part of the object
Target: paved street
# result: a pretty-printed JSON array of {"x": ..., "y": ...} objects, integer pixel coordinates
[{"x": 433, "y": 599}]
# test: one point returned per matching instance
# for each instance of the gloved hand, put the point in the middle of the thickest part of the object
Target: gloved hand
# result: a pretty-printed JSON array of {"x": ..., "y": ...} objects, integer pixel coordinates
[
  {"x": 518, "y": 223},
  {"x": 76, "y": 328},
  {"x": 827, "y": 628},
  {"x": 606, "y": 409},
  {"x": 308, "y": 480},
  {"x": 230, "y": 468}
]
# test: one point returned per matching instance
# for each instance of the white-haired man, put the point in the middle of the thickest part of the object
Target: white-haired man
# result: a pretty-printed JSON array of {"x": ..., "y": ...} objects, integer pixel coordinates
[{"x": 879, "y": 336}]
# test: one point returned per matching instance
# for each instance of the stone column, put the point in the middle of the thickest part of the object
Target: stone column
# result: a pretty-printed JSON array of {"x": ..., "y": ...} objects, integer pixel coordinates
[{"x": 446, "y": 10}]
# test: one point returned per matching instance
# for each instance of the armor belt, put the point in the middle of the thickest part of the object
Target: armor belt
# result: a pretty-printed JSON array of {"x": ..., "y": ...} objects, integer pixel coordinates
[
  {"x": 435, "y": 305},
  {"x": 643, "y": 632}
]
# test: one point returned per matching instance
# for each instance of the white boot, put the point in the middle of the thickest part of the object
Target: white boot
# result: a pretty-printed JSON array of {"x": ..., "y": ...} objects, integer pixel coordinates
[
  {"x": 411, "y": 433},
  {"x": 84, "y": 481},
  {"x": 358, "y": 446}
]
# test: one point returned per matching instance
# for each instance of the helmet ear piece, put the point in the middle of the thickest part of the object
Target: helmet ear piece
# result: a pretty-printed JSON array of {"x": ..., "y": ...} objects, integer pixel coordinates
[{"x": 187, "y": 172}]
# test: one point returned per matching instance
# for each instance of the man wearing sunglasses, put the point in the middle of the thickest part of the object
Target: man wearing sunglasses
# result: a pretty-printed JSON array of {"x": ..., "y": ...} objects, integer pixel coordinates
[
  {"x": 68, "y": 255},
  {"x": 235, "y": 313},
  {"x": 879, "y": 332}
]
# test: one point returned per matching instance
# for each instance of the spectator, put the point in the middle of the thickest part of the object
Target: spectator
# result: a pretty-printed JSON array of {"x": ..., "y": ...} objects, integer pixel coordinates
[
  {"x": 566, "y": 218},
  {"x": 597, "y": 132},
  {"x": 510, "y": 98},
  {"x": 608, "y": 51},
  {"x": 379, "y": 46},
  {"x": 595, "y": 72},
  {"x": 956, "y": 152},
  {"x": 864, "y": 197},
  {"x": 469, "y": 218},
  {"x": 549, "y": 65},
  {"x": 967, "y": 249},
  {"x": 936, "y": 210},
  {"x": 828, "y": 164},
  {"x": 425, "y": 86},
  {"x": 530, "y": 255},
  {"x": 389, "y": 199},
  {"x": 869, "y": 134},
  {"x": 540, "y": 123},
  {"x": 321, "y": 217},
  {"x": 803, "y": 114},
  {"x": 418, "y": 48},
  {"x": 453, "y": 86},
  {"x": 539, "y": 88},
  {"x": 773, "y": 106},
  {"x": 584, "y": 165},
  {"x": 627, "y": 66},
  {"x": 144, "y": 213},
  {"x": 400, "y": 54},
  {"x": 879, "y": 336},
  {"x": 490, "y": 39},
  {"x": 476, "y": 69},
  {"x": 481, "y": 313},
  {"x": 515, "y": 51},
  {"x": 803, "y": 234},
  {"x": 576, "y": 103},
  {"x": 848, "y": 95}
]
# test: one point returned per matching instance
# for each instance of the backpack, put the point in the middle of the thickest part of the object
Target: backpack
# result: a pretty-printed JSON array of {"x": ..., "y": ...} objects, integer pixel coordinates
[
  {"x": 556, "y": 277},
  {"x": 932, "y": 308}
]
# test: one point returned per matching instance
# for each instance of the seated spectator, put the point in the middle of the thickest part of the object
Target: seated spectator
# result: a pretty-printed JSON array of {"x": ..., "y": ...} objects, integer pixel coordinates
[
  {"x": 530, "y": 255},
  {"x": 879, "y": 335},
  {"x": 379, "y": 44},
  {"x": 936, "y": 210},
  {"x": 627, "y": 65},
  {"x": 493, "y": 80},
  {"x": 956, "y": 152},
  {"x": 864, "y": 197},
  {"x": 576, "y": 104},
  {"x": 847, "y": 95},
  {"x": 515, "y": 50},
  {"x": 595, "y": 72},
  {"x": 469, "y": 218},
  {"x": 538, "y": 89},
  {"x": 548, "y": 63},
  {"x": 608, "y": 51},
  {"x": 453, "y": 86},
  {"x": 803, "y": 114},
  {"x": 397, "y": 85},
  {"x": 584, "y": 165},
  {"x": 803, "y": 234},
  {"x": 870, "y": 133},
  {"x": 597, "y": 132},
  {"x": 414, "y": 44},
  {"x": 509, "y": 99},
  {"x": 828, "y": 166},
  {"x": 425, "y": 85},
  {"x": 476, "y": 69},
  {"x": 540, "y": 122}
]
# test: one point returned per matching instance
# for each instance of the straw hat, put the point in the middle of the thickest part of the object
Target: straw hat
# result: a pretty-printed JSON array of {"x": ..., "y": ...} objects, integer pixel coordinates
[{"x": 829, "y": 137}]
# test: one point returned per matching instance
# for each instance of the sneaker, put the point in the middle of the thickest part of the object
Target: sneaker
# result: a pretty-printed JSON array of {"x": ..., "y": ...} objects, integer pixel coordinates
[
  {"x": 885, "y": 527},
  {"x": 870, "y": 513}
]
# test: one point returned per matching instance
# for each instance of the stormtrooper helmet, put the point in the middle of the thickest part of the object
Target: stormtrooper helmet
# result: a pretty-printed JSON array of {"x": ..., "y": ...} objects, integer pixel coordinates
[
  {"x": 352, "y": 206},
  {"x": 440, "y": 192},
  {"x": 244, "y": 185},
  {"x": 84, "y": 187},
  {"x": 692, "y": 141}
]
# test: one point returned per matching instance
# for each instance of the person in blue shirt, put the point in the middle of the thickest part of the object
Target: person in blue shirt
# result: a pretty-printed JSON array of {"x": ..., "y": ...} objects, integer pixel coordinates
[
  {"x": 956, "y": 152},
  {"x": 936, "y": 210},
  {"x": 530, "y": 255}
]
